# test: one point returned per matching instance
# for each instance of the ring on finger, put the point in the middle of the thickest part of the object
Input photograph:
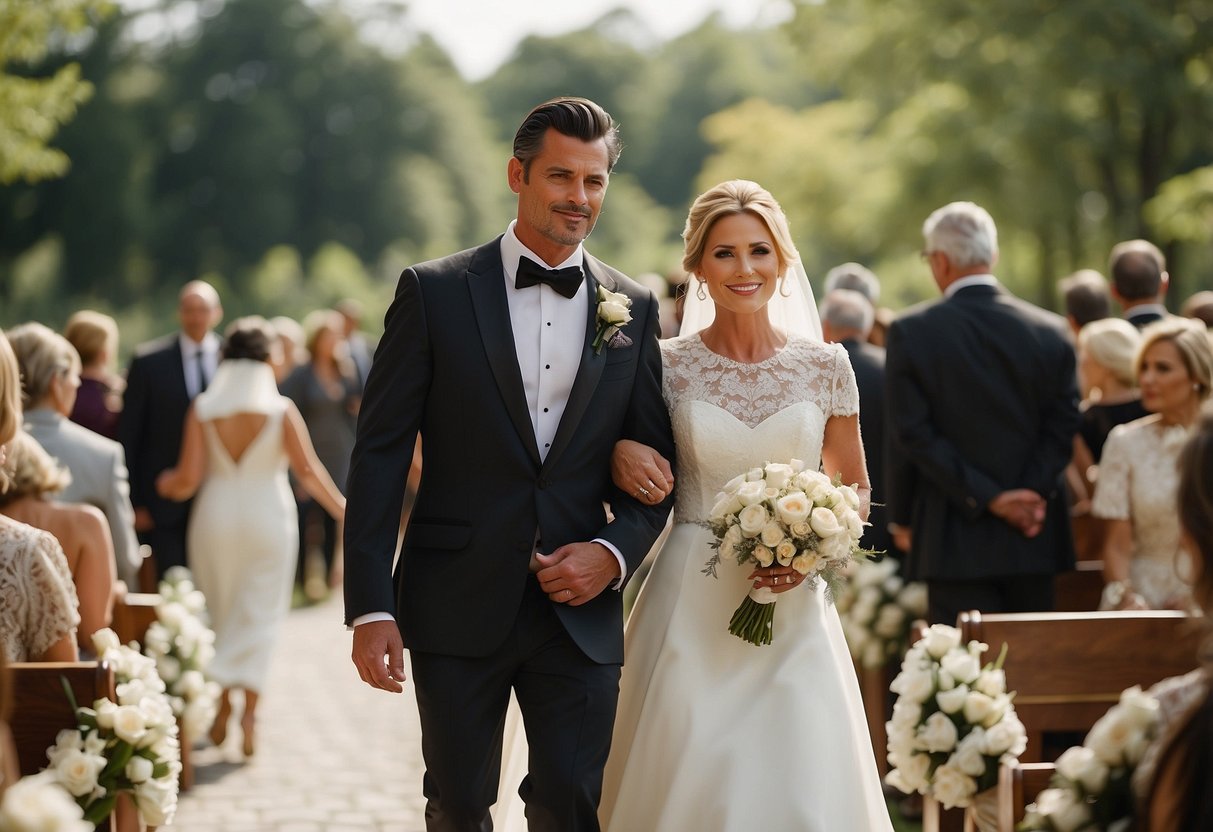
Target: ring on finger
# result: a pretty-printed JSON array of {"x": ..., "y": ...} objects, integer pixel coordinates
[{"x": 644, "y": 492}]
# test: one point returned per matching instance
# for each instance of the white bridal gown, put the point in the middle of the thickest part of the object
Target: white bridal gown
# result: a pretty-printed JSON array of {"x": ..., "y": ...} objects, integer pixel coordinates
[{"x": 714, "y": 733}]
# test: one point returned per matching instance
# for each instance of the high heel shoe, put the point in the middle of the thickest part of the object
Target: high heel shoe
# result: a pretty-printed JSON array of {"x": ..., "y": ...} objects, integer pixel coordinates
[{"x": 219, "y": 726}]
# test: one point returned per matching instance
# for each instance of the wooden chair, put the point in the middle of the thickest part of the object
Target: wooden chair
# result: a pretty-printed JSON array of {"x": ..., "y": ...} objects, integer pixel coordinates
[
  {"x": 133, "y": 614},
  {"x": 1018, "y": 785},
  {"x": 1067, "y": 669},
  {"x": 1079, "y": 590},
  {"x": 874, "y": 690}
]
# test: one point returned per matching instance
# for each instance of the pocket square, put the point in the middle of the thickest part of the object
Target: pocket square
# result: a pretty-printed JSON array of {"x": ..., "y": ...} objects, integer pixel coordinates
[{"x": 618, "y": 341}]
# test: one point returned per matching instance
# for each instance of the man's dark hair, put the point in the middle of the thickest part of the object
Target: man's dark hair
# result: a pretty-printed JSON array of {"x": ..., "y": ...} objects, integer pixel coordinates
[
  {"x": 1136, "y": 267},
  {"x": 1085, "y": 295},
  {"x": 579, "y": 118},
  {"x": 250, "y": 337}
]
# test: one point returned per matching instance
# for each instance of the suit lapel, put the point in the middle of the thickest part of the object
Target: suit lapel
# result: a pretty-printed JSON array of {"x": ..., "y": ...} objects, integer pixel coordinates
[
  {"x": 590, "y": 368},
  {"x": 486, "y": 285}
]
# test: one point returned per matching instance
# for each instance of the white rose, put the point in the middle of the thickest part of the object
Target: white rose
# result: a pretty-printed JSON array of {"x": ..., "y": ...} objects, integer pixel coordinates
[
  {"x": 772, "y": 535},
  {"x": 752, "y": 519},
  {"x": 104, "y": 641},
  {"x": 837, "y": 547},
  {"x": 951, "y": 701},
  {"x": 889, "y": 621},
  {"x": 968, "y": 756},
  {"x": 991, "y": 682},
  {"x": 824, "y": 495},
  {"x": 914, "y": 771},
  {"x": 615, "y": 314},
  {"x": 105, "y": 713},
  {"x": 1064, "y": 809},
  {"x": 78, "y": 772},
  {"x": 755, "y": 475},
  {"x": 793, "y": 508},
  {"x": 806, "y": 562},
  {"x": 915, "y": 684},
  {"x": 893, "y": 583},
  {"x": 800, "y": 530},
  {"x": 978, "y": 707},
  {"x": 1006, "y": 737},
  {"x": 751, "y": 493},
  {"x": 940, "y": 638},
  {"x": 168, "y": 667},
  {"x": 778, "y": 474},
  {"x": 139, "y": 769},
  {"x": 730, "y": 542},
  {"x": 855, "y": 527},
  {"x": 129, "y": 724},
  {"x": 69, "y": 739},
  {"x": 1080, "y": 764},
  {"x": 797, "y": 465},
  {"x": 1141, "y": 708},
  {"x": 94, "y": 744},
  {"x": 952, "y": 787},
  {"x": 38, "y": 803},
  {"x": 873, "y": 654},
  {"x": 914, "y": 598},
  {"x": 938, "y": 733},
  {"x": 963, "y": 666},
  {"x": 763, "y": 555},
  {"x": 193, "y": 684},
  {"x": 785, "y": 552},
  {"x": 157, "y": 801},
  {"x": 850, "y": 496},
  {"x": 1110, "y": 735},
  {"x": 824, "y": 523},
  {"x": 732, "y": 485},
  {"x": 726, "y": 504}
]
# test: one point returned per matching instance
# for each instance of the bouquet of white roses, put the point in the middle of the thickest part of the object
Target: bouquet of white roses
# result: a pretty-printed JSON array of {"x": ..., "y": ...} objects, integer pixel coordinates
[
  {"x": 182, "y": 647},
  {"x": 787, "y": 514},
  {"x": 877, "y": 609},
  {"x": 125, "y": 746},
  {"x": 1091, "y": 789},
  {"x": 953, "y": 721},
  {"x": 39, "y": 803}
]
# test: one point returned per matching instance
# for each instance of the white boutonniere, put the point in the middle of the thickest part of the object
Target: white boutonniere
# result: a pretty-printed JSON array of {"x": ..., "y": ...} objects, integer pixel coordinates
[{"x": 614, "y": 310}]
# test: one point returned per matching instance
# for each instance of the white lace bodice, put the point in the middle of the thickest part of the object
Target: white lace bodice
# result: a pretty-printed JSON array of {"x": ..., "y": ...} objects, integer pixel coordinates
[
  {"x": 38, "y": 604},
  {"x": 729, "y": 417}
]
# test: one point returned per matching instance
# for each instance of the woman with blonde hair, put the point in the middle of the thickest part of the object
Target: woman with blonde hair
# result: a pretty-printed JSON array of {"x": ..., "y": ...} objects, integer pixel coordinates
[
  {"x": 1135, "y": 493},
  {"x": 95, "y": 337},
  {"x": 1106, "y": 352},
  {"x": 38, "y": 606},
  {"x": 80, "y": 529}
]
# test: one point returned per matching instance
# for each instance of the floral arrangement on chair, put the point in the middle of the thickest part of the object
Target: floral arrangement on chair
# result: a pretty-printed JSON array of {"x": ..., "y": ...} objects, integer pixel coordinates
[
  {"x": 1091, "y": 789},
  {"x": 877, "y": 610},
  {"x": 182, "y": 646},
  {"x": 40, "y": 803},
  {"x": 953, "y": 721},
  {"x": 129, "y": 746}
]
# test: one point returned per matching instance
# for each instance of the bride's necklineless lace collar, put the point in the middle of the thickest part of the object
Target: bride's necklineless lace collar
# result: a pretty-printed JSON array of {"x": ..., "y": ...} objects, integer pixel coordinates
[{"x": 787, "y": 339}]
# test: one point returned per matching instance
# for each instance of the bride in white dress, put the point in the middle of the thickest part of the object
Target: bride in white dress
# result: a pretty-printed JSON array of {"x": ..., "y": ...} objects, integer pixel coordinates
[{"x": 713, "y": 733}]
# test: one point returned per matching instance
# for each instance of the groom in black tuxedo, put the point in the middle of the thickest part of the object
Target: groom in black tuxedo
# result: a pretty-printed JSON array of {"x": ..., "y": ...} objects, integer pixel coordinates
[
  {"x": 509, "y": 569},
  {"x": 982, "y": 410}
]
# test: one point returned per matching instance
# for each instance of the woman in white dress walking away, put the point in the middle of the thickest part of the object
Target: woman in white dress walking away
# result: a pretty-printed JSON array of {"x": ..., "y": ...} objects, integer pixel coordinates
[
  {"x": 712, "y": 732},
  {"x": 240, "y": 436}
]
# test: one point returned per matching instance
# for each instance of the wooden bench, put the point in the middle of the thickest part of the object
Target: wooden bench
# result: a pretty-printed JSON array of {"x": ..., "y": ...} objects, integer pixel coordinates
[
  {"x": 133, "y": 614},
  {"x": 1079, "y": 590}
]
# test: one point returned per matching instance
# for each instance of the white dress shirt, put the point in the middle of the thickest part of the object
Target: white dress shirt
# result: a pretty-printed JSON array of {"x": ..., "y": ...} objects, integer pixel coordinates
[
  {"x": 970, "y": 280},
  {"x": 189, "y": 360}
]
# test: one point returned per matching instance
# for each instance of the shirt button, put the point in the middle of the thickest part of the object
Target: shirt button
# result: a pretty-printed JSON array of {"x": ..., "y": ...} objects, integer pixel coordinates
[
  {"x": 549, "y": 323},
  {"x": 547, "y": 366},
  {"x": 545, "y": 410}
]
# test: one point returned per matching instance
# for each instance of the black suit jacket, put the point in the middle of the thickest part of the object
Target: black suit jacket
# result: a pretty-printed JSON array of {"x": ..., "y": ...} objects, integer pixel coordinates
[
  {"x": 151, "y": 424},
  {"x": 1142, "y": 319},
  {"x": 446, "y": 368},
  {"x": 981, "y": 398},
  {"x": 867, "y": 360}
]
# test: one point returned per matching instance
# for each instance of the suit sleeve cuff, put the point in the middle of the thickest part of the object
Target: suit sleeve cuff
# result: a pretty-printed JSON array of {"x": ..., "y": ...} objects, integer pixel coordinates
[
  {"x": 371, "y": 616},
  {"x": 623, "y": 567}
]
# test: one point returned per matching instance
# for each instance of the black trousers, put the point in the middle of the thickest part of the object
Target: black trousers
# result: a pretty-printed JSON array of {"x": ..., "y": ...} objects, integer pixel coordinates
[
  {"x": 1018, "y": 593},
  {"x": 568, "y": 708},
  {"x": 168, "y": 547}
]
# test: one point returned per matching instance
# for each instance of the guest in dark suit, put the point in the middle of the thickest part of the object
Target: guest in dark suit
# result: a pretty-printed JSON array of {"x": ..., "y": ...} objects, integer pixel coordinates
[
  {"x": 500, "y": 359},
  {"x": 1086, "y": 298},
  {"x": 846, "y": 318},
  {"x": 163, "y": 378},
  {"x": 983, "y": 406},
  {"x": 1139, "y": 281}
]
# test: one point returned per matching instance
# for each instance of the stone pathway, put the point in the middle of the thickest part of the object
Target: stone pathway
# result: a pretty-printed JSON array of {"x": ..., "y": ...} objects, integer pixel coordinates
[{"x": 333, "y": 755}]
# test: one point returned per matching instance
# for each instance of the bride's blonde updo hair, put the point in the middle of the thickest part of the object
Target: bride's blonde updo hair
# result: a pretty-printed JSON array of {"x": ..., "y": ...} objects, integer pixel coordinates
[{"x": 737, "y": 196}]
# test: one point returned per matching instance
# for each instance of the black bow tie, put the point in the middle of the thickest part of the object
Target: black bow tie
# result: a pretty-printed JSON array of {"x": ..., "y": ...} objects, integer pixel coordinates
[{"x": 564, "y": 281}]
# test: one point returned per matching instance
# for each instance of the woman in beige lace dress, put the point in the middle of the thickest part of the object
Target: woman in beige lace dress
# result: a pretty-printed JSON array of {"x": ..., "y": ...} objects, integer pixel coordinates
[
  {"x": 1135, "y": 493},
  {"x": 38, "y": 614}
]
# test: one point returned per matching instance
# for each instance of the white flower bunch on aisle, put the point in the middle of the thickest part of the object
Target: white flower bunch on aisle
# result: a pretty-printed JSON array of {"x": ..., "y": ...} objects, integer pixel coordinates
[
  {"x": 877, "y": 609},
  {"x": 953, "y": 721},
  {"x": 182, "y": 646},
  {"x": 787, "y": 514},
  {"x": 126, "y": 746},
  {"x": 1091, "y": 789},
  {"x": 40, "y": 803}
]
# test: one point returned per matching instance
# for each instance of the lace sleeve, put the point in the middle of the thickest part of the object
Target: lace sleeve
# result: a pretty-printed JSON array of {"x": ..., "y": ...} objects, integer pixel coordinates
[
  {"x": 54, "y": 607},
  {"x": 1111, "y": 500},
  {"x": 844, "y": 392}
]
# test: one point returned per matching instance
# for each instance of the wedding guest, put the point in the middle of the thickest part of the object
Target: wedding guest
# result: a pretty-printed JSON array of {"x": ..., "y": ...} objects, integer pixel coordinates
[
  {"x": 326, "y": 391},
  {"x": 50, "y": 369},
  {"x": 38, "y": 607},
  {"x": 1175, "y": 775},
  {"x": 1086, "y": 298},
  {"x": 99, "y": 399},
  {"x": 1139, "y": 281},
  {"x": 863, "y": 280},
  {"x": 1200, "y": 307},
  {"x": 357, "y": 346},
  {"x": 1135, "y": 491},
  {"x": 164, "y": 377},
  {"x": 1106, "y": 352},
  {"x": 81, "y": 530},
  {"x": 983, "y": 407},
  {"x": 290, "y": 353}
]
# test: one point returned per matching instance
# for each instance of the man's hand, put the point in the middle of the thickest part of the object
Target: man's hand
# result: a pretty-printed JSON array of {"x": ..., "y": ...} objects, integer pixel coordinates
[
  {"x": 372, "y": 642},
  {"x": 1021, "y": 508},
  {"x": 903, "y": 537},
  {"x": 640, "y": 471},
  {"x": 576, "y": 572},
  {"x": 143, "y": 520}
]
